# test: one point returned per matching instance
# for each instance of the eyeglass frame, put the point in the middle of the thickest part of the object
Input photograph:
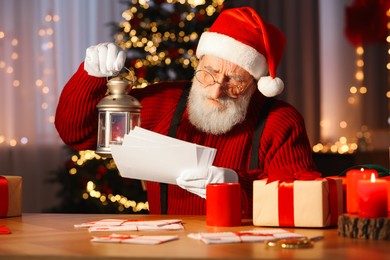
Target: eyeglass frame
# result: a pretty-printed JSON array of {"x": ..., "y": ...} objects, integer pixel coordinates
[{"x": 223, "y": 85}]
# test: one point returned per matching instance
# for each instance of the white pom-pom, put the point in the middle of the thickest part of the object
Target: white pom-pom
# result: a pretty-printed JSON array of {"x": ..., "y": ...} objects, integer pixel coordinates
[{"x": 270, "y": 87}]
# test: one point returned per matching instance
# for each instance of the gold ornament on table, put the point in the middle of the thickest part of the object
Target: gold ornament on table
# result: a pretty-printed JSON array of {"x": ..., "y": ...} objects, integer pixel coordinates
[{"x": 118, "y": 114}]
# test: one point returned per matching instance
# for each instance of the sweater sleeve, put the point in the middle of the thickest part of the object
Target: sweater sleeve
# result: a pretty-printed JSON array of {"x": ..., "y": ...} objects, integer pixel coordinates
[
  {"x": 76, "y": 117},
  {"x": 285, "y": 148}
]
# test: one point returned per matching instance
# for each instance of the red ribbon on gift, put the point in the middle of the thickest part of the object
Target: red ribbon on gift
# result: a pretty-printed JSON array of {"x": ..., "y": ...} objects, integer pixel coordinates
[
  {"x": 286, "y": 202},
  {"x": 333, "y": 201},
  {"x": 3, "y": 196}
]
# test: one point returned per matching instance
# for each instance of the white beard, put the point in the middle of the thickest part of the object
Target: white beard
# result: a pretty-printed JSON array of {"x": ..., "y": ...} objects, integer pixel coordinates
[{"x": 216, "y": 119}]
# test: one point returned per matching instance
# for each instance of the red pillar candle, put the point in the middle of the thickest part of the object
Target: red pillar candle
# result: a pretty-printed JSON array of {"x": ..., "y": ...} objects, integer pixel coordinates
[
  {"x": 372, "y": 198},
  {"x": 352, "y": 178},
  {"x": 388, "y": 198}
]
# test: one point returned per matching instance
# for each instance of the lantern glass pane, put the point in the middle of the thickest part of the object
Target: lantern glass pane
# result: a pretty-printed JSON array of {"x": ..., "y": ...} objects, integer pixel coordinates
[
  {"x": 135, "y": 120},
  {"x": 118, "y": 127},
  {"x": 102, "y": 129}
]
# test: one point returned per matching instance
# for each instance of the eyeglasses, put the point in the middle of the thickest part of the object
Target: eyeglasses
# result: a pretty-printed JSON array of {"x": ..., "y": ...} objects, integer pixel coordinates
[{"x": 233, "y": 88}]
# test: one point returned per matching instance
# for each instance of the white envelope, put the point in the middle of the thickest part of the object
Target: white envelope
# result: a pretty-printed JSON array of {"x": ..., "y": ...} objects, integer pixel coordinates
[
  {"x": 134, "y": 239},
  {"x": 146, "y": 155}
]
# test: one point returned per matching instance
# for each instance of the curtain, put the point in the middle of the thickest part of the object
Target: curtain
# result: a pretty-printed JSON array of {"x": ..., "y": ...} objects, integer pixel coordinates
[
  {"x": 363, "y": 118},
  {"x": 42, "y": 42}
]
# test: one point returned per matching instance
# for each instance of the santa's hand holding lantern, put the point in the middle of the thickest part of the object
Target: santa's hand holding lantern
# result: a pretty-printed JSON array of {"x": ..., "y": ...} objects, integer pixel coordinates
[{"x": 118, "y": 111}]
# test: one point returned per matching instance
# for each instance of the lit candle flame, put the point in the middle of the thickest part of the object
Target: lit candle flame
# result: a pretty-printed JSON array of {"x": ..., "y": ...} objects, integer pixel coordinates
[{"x": 372, "y": 177}]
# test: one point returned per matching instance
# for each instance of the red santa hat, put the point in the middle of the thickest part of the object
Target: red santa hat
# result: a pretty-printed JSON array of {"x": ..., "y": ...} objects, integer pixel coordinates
[{"x": 240, "y": 36}]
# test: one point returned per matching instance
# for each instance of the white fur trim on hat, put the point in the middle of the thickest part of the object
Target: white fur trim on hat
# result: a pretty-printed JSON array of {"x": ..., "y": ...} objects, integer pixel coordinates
[
  {"x": 227, "y": 48},
  {"x": 269, "y": 86}
]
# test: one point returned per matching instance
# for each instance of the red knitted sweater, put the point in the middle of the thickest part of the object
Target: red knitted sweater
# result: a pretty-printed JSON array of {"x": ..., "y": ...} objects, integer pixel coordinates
[{"x": 284, "y": 152}]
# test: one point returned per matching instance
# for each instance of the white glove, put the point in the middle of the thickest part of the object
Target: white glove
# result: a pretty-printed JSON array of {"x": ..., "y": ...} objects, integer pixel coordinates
[
  {"x": 196, "y": 180},
  {"x": 104, "y": 60}
]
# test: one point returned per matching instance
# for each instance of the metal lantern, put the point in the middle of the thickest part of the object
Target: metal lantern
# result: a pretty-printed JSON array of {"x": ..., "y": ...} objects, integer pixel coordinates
[{"x": 118, "y": 114}]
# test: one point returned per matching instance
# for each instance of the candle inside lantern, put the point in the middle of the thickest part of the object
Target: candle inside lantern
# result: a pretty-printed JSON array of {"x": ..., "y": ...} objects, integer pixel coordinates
[
  {"x": 372, "y": 198},
  {"x": 118, "y": 127},
  {"x": 352, "y": 178}
]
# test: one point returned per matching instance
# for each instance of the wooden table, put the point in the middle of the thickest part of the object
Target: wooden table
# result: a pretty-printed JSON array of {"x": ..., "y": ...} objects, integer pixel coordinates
[{"x": 53, "y": 236}]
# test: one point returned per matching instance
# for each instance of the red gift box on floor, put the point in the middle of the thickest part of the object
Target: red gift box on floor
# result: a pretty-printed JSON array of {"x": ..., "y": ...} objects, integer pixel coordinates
[
  {"x": 314, "y": 203},
  {"x": 10, "y": 196}
]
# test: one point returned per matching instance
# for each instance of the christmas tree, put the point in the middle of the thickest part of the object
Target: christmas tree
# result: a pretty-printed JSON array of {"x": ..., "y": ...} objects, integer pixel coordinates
[
  {"x": 92, "y": 184},
  {"x": 160, "y": 39}
]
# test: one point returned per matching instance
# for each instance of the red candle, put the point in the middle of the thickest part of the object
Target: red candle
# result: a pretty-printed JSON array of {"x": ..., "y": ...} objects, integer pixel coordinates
[
  {"x": 388, "y": 198},
  {"x": 352, "y": 178},
  {"x": 372, "y": 198}
]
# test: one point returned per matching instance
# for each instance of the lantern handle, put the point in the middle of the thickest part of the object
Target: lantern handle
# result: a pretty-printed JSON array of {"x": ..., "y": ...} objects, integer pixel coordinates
[
  {"x": 132, "y": 76},
  {"x": 130, "y": 72}
]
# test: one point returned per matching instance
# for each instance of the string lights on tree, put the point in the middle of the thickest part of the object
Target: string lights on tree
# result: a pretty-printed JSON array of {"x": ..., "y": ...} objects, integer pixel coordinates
[{"x": 160, "y": 37}]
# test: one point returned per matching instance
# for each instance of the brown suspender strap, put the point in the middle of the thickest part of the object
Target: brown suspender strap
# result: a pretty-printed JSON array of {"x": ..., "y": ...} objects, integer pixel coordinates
[
  {"x": 254, "y": 163},
  {"x": 181, "y": 106}
]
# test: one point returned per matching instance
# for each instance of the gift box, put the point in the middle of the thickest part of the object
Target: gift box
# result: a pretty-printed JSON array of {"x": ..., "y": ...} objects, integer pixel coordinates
[
  {"x": 10, "y": 196},
  {"x": 309, "y": 203}
]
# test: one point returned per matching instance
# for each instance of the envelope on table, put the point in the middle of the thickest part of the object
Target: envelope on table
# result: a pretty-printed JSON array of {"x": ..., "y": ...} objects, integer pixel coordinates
[
  {"x": 134, "y": 239},
  {"x": 243, "y": 236},
  {"x": 108, "y": 222},
  {"x": 131, "y": 225}
]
